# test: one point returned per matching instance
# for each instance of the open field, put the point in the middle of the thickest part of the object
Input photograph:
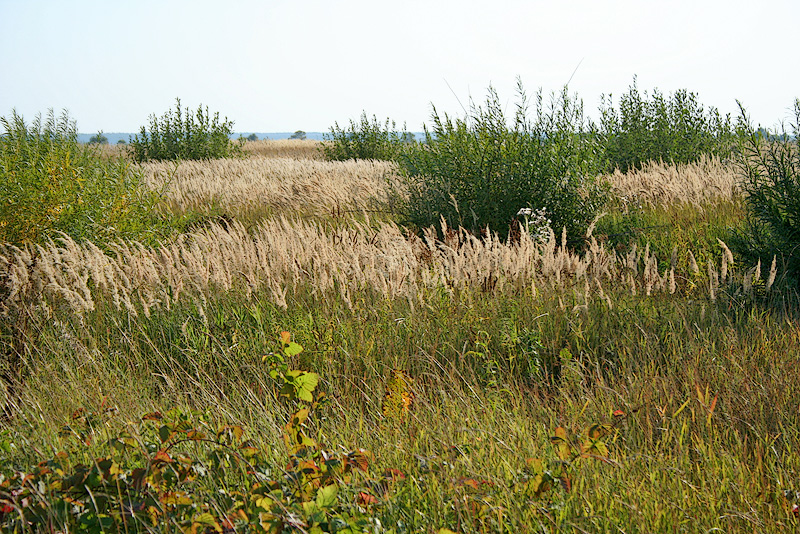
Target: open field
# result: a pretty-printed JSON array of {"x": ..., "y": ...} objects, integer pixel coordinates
[{"x": 477, "y": 385}]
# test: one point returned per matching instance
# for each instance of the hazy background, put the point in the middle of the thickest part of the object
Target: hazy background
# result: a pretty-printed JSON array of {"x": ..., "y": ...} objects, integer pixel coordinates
[{"x": 282, "y": 66}]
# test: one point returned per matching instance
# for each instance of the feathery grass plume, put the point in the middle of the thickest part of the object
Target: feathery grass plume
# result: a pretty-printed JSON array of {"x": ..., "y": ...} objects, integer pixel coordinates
[
  {"x": 285, "y": 257},
  {"x": 713, "y": 280},
  {"x": 285, "y": 148},
  {"x": 258, "y": 186},
  {"x": 672, "y": 285},
  {"x": 693, "y": 264},
  {"x": 727, "y": 259},
  {"x": 662, "y": 184},
  {"x": 772, "y": 272}
]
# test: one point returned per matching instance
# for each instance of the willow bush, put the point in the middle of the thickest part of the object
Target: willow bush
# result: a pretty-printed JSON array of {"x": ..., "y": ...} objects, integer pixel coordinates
[
  {"x": 366, "y": 139},
  {"x": 674, "y": 129},
  {"x": 183, "y": 135},
  {"x": 477, "y": 172},
  {"x": 770, "y": 166},
  {"x": 51, "y": 184}
]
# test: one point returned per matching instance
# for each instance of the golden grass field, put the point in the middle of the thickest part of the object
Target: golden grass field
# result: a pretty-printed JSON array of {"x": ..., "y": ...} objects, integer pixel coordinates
[{"x": 321, "y": 252}]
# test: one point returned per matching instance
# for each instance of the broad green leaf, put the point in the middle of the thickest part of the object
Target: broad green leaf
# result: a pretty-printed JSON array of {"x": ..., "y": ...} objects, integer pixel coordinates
[
  {"x": 306, "y": 383},
  {"x": 293, "y": 349},
  {"x": 326, "y": 496}
]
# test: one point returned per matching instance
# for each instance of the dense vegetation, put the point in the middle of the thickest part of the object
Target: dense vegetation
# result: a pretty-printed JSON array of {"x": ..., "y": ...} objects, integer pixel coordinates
[
  {"x": 298, "y": 361},
  {"x": 184, "y": 135},
  {"x": 366, "y": 139},
  {"x": 771, "y": 169},
  {"x": 675, "y": 129},
  {"x": 478, "y": 172},
  {"x": 50, "y": 184}
]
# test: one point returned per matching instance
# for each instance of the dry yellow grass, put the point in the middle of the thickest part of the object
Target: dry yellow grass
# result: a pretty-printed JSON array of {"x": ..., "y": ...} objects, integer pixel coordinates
[
  {"x": 285, "y": 148},
  {"x": 279, "y": 148},
  {"x": 661, "y": 184},
  {"x": 270, "y": 184},
  {"x": 282, "y": 255}
]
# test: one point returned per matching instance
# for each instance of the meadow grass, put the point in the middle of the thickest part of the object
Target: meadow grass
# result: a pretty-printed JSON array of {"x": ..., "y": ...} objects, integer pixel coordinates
[
  {"x": 623, "y": 387},
  {"x": 285, "y": 148}
]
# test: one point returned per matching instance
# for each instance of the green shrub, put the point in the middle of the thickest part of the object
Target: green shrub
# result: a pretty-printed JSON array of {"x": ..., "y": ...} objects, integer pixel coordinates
[
  {"x": 675, "y": 128},
  {"x": 478, "y": 173},
  {"x": 182, "y": 135},
  {"x": 367, "y": 139},
  {"x": 50, "y": 183},
  {"x": 771, "y": 169}
]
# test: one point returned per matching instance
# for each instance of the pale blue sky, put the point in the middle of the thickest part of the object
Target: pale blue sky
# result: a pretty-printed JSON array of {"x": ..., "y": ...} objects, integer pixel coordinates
[{"x": 281, "y": 66}]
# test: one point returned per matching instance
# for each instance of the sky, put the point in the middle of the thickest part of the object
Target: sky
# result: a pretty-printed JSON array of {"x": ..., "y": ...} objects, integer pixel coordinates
[{"x": 277, "y": 66}]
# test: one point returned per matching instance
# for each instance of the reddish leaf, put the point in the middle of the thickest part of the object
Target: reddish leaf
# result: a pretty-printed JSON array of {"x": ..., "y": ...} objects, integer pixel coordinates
[
  {"x": 163, "y": 457},
  {"x": 358, "y": 459},
  {"x": 394, "y": 475},
  {"x": 468, "y": 483},
  {"x": 365, "y": 499}
]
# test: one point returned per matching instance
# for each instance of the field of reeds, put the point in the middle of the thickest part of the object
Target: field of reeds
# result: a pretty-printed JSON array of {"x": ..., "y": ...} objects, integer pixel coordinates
[{"x": 297, "y": 361}]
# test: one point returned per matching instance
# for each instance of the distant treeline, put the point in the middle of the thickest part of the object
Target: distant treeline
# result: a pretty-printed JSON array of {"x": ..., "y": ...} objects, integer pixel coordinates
[{"x": 116, "y": 137}]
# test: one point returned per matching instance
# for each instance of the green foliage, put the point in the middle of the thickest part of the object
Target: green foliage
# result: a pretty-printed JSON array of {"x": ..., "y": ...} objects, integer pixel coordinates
[
  {"x": 98, "y": 139},
  {"x": 771, "y": 168},
  {"x": 252, "y": 137},
  {"x": 675, "y": 128},
  {"x": 183, "y": 135},
  {"x": 367, "y": 139},
  {"x": 299, "y": 135},
  {"x": 154, "y": 476},
  {"x": 50, "y": 183},
  {"x": 477, "y": 172}
]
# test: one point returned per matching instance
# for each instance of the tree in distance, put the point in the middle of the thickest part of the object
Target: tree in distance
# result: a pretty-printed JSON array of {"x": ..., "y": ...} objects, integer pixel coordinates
[
  {"x": 299, "y": 134},
  {"x": 98, "y": 139}
]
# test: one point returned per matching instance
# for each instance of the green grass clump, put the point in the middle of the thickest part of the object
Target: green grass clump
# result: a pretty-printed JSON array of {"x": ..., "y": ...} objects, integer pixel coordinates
[
  {"x": 49, "y": 184},
  {"x": 183, "y": 135},
  {"x": 675, "y": 229}
]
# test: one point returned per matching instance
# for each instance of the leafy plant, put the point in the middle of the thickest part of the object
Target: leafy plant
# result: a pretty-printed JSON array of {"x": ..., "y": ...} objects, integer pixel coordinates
[
  {"x": 367, "y": 139},
  {"x": 771, "y": 169},
  {"x": 152, "y": 477},
  {"x": 183, "y": 135},
  {"x": 674, "y": 128},
  {"x": 477, "y": 172},
  {"x": 50, "y": 183}
]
